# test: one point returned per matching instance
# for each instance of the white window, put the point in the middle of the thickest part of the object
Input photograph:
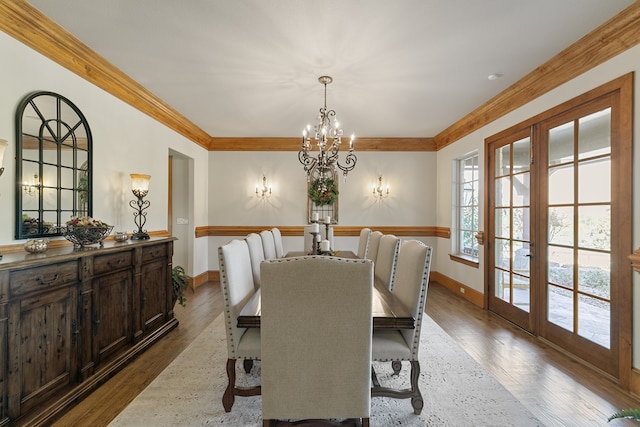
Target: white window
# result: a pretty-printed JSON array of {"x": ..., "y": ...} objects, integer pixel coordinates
[{"x": 466, "y": 210}]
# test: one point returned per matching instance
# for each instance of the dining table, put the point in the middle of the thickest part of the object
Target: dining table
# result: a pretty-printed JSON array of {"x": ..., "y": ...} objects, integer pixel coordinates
[{"x": 387, "y": 310}]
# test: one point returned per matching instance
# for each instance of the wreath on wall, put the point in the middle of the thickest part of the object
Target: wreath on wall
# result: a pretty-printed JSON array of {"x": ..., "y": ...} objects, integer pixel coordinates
[{"x": 323, "y": 191}]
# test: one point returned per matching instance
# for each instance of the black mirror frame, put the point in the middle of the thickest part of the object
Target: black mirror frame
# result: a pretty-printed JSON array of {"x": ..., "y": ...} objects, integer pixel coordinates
[{"x": 40, "y": 229}]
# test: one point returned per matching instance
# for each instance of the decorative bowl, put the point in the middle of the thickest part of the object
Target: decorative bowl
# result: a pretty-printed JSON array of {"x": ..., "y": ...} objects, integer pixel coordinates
[
  {"x": 81, "y": 235},
  {"x": 36, "y": 246}
]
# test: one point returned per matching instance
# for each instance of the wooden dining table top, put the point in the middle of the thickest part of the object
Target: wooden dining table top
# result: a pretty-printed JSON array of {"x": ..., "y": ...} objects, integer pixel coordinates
[{"x": 388, "y": 311}]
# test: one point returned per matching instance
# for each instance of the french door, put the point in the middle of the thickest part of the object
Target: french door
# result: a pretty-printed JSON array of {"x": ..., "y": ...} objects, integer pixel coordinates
[{"x": 559, "y": 228}]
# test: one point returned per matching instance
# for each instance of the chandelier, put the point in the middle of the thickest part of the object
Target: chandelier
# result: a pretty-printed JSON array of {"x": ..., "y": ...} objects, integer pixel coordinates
[{"x": 328, "y": 137}]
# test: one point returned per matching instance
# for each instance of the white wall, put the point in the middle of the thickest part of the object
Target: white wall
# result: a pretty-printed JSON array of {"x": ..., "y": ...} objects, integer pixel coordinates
[
  {"x": 233, "y": 177},
  {"x": 124, "y": 141}
]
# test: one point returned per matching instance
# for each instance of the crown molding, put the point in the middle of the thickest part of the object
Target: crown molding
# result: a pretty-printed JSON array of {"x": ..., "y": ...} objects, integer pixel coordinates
[{"x": 618, "y": 34}]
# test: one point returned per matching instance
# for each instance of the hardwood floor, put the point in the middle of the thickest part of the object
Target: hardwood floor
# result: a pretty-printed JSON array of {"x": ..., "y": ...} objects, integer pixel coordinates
[{"x": 555, "y": 388}]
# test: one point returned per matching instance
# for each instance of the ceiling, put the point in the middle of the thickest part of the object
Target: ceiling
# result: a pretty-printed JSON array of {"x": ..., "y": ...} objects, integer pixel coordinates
[{"x": 400, "y": 68}]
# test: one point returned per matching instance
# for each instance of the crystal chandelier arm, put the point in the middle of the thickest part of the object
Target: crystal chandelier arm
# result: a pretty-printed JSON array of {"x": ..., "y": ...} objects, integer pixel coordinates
[
  {"x": 349, "y": 163},
  {"x": 307, "y": 161}
]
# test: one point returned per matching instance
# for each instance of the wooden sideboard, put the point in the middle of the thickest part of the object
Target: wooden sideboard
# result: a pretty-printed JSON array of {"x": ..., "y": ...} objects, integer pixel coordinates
[{"x": 70, "y": 319}]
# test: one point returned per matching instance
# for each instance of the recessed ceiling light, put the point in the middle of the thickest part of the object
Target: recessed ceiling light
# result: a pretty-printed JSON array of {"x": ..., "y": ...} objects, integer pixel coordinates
[{"x": 494, "y": 76}]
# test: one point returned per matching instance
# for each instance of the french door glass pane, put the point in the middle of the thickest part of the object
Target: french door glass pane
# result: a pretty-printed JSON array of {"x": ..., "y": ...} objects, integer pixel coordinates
[
  {"x": 561, "y": 144},
  {"x": 503, "y": 191},
  {"x": 560, "y": 225},
  {"x": 560, "y": 266},
  {"x": 502, "y": 284},
  {"x": 521, "y": 259},
  {"x": 594, "y": 227},
  {"x": 503, "y": 254},
  {"x": 503, "y": 160},
  {"x": 560, "y": 302},
  {"x": 594, "y": 181},
  {"x": 521, "y": 189},
  {"x": 594, "y": 319},
  {"x": 503, "y": 223},
  {"x": 521, "y": 155},
  {"x": 521, "y": 292},
  {"x": 594, "y": 273},
  {"x": 561, "y": 185},
  {"x": 594, "y": 137},
  {"x": 521, "y": 223}
]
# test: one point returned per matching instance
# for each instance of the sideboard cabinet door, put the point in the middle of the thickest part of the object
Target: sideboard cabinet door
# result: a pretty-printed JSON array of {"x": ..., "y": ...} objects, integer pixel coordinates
[
  {"x": 112, "y": 314},
  {"x": 155, "y": 286},
  {"x": 42, "y": 347}
]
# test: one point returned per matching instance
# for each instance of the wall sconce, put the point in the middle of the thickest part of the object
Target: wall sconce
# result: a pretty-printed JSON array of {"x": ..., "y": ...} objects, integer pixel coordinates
[
  {"x": 140, "y": 188},
  {"x": 31, "y": 188},
  {"x": 3, "y": 146},
  {"x": 380, "y": 192},
  {"x": 263, "y": 192}
]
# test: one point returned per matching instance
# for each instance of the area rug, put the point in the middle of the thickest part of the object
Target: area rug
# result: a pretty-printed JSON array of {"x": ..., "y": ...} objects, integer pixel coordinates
[{"x": 456, "y": 390}]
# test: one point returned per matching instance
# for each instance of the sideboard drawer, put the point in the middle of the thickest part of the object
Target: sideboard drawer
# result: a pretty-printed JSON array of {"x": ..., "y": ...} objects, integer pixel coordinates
[
  {"x": 151, "y": 253},
  {"x": 111, "y": 262},
  {"x": 42, "y": 278}
]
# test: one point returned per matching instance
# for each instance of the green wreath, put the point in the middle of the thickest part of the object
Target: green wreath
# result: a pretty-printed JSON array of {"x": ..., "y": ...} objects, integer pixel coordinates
[{"x": 323, "y": 191}]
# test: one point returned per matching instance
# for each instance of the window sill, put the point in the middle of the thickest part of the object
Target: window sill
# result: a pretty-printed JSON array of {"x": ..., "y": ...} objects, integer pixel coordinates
[{"x": 465, "y": 259}]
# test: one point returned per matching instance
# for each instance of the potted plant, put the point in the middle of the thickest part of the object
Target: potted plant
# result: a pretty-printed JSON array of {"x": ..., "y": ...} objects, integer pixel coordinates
[
  {"x": 180, "y": 282},
  {"x": 633, "y": 414}
]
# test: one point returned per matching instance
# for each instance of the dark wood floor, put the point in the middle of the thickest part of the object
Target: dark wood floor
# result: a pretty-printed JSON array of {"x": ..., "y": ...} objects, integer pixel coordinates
[{"x": 556, "y": 389}]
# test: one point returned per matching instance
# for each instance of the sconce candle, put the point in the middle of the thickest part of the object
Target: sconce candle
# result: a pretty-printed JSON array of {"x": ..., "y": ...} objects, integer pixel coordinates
[
  {"x": 140, "y": 188},
  {"x": 263, "y": 192},
  {"x": 3, "y": 147}
]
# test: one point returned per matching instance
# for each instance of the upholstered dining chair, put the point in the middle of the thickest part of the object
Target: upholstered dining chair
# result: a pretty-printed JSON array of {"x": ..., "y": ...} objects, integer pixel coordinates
[
  {"x": 268, "y": 244},
  {"x": 316, "y": 327},
  {"x": 308, "y": 237},
  {"x": 386, "y": 259},
  {"x": 363, "y": 243},
  {"x": 374, "y": 243},
  {"x": 277, "y": 238},
  {"x": 256, "y": 254},
  {"x": 397, "y": 345},
  {"x": 236, "y": 282}
]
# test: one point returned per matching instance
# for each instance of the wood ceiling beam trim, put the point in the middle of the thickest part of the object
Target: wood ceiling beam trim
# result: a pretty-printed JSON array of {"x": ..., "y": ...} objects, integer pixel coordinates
[
  {"x": 605, "y": 42},
  {"x": 293, "y": 144},
  {"x": 29, "y": 26}
]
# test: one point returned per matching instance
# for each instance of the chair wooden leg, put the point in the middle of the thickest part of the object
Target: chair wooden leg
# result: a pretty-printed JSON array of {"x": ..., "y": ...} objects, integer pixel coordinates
[
  {"x": 229, "y": 396},
  {"x": 396, "y": 365},
  {"x": 416, "y": 400},
  {"x": 248, "y": 364},
  {"x": 365, "y": 422},
  {"x": 268, "y": 423}
]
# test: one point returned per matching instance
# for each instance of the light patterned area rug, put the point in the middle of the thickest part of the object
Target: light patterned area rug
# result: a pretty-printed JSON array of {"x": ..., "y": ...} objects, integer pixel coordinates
[{"x": 456, "y": 390}]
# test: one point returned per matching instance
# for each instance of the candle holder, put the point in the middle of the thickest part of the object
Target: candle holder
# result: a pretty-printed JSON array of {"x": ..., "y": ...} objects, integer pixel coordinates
[
  {"x": 315, "y": 249},
  {"x": 140, "y": 188}
]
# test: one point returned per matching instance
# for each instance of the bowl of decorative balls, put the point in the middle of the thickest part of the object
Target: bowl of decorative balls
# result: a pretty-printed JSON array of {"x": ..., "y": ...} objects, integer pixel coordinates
[{"x": 86, "y": 231}]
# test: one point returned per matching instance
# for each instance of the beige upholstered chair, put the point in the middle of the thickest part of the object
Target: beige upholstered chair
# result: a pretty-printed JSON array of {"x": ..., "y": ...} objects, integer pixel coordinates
[
  {"x": 397, "y": 345},
  {"x": 316, "y": 325},
  {"x": 268, "y": 244},
  {"x": 385, "y": 263},
  {"x": 308, "y": 237},
  {"x": 363, "y": 243},
  {"x": 374, "y": 243},
  {"x": 277, "y": 238},
  {"x": 236, "y": 282},
  {"x": 256, "y": 253}
]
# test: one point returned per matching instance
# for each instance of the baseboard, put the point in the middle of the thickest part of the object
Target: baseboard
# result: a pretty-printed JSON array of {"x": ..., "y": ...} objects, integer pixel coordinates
[
  {"x": 459, "y": 289},
  {"x": 203, "y": 278}
]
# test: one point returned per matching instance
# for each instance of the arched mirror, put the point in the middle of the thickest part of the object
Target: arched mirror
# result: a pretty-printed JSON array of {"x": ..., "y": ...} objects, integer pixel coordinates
[{"x": 53, "y": 165}]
